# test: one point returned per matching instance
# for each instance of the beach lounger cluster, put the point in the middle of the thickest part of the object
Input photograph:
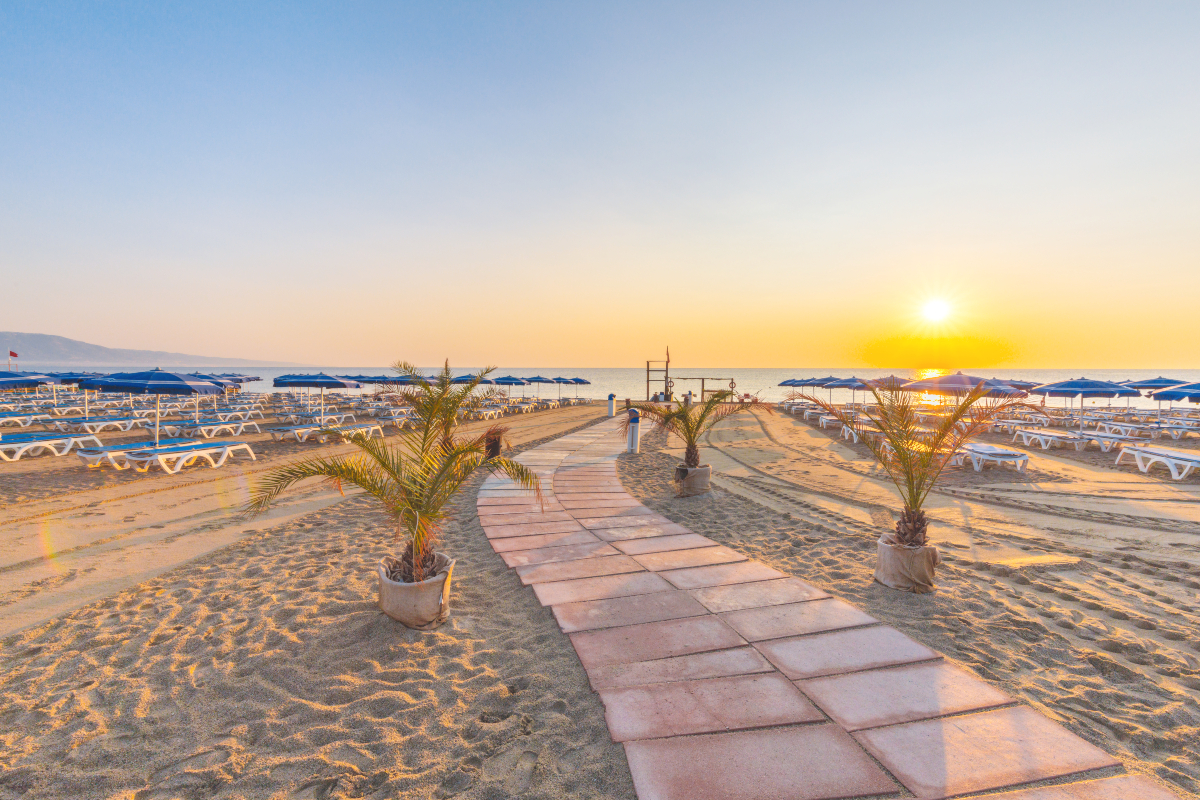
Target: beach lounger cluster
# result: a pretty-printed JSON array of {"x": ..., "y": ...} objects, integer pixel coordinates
[
  {"x": 13, "y": 448},
  {"x": 114, "y": 454},
  {"x": 322, "y": 434}
]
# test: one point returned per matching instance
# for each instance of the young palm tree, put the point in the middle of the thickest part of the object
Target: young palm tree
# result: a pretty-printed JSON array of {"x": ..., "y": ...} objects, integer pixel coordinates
[
  {"x": 415, "y": 479},
  {"x": 438, "y": 397},
  {"x": 912, "y": 456},
  {"x": 690, "y": 422}
]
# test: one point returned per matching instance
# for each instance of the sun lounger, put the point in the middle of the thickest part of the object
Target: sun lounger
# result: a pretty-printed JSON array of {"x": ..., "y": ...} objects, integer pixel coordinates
[
  {"x": 208, "y": 428},
  {"x": 1179, "y": 462},
  {"x": 21, "y": 419},
  {"x": 13, "y": 448},
  {"x": 1047, "y": 439},
  {"x": 114, "y": 454},
  {"x": 981, "y": 454},
  {"x": 100, "y": 424},
  {"x": 1108, "y": 440},
  {"x": 173, "y": 459},
  {"x": 316, "y": 418},
  {"x": 302, "y": 433}
]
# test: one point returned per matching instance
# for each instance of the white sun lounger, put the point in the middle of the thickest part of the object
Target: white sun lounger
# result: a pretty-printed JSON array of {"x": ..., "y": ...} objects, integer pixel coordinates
[
  {"x": 302, "y": 433},
  {"x": 114, "y": 454},
  {"x": 1179, "y": 462},
  {"x": 1108, "y": 440},
  {"x": 100, "y": 424},
  {"x": 981, "y": 454},
  {"x": 21, "y": 419},
  {"x": 1047, "y": 439},
  {"x": 12, "y": 449},
  {"x": 173, "y": 459},
  {"x": 208, "y": 428},
  {"x": 317, "y": 418}
]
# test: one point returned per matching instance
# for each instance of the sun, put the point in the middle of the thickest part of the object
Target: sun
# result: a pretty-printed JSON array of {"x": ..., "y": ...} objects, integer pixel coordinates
[{"x": 935, "y": 310}]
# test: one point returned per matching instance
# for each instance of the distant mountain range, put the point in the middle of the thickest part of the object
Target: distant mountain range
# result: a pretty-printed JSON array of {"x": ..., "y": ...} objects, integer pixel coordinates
[{"x": 39, "y": 349}]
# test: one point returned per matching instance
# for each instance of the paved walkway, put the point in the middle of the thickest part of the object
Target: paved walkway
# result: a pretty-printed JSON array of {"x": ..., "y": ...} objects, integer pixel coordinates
[{"x": 727, "y": 679}]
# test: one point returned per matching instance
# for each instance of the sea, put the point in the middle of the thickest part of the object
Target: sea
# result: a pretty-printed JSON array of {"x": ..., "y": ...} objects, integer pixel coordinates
[{"x": 630, "y": 382}]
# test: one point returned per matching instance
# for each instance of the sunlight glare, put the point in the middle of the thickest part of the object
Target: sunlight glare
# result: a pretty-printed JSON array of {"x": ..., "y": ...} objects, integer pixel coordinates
[{"x": 936, "y": 310}]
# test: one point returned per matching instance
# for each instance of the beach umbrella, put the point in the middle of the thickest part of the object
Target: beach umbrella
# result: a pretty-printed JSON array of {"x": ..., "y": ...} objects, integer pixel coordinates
[
  {"x": 1186, "y": 391},
  {"x": 224, "y": 383},
  {"x": 38, "y": 378},
  {"x": 509, "y": 380},
  {"x": 960, "y": 384},
  {"x": 18, "y": 382},
  {"x": 539, "y": 379},
  {"x": 853, "y": 384},
  {"x": 580, "y": 382},
  {"x": 1154, "y": 383},
  {"x": 561, "y": 382},
  {"x": 819, "y": 383},
  {"x": 1084, "y": 388},
  {"x": 158, "y": 383},
  {"x": 891, "y": 382},
  {"x": 1022, "y": 385},
  {"x": 319, "y": 381},
  {"x": 461, "y": 379}
]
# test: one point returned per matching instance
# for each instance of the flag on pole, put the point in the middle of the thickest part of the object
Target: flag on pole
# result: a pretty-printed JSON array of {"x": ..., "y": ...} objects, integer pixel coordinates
[{"x": 11, "y": 354}]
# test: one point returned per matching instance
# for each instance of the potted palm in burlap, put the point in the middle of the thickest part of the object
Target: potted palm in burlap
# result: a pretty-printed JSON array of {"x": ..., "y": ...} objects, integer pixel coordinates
[
  {"x": 689, "y": 422},
  {"x": 414, "y": 479},
  {"x": 914, "y": 457}
]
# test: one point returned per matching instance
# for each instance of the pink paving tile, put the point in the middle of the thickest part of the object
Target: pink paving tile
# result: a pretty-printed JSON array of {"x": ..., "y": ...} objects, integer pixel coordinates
[
  {"x": 637, "y": 531},
  {"x": 571, "y": 496},
  {"x": 522, "y": 519},
  {"x": 677, "y": 637},
  {"x": 510, "y": 501},
  {"x": 549, "y": 594},
  {"x": 594, "y": 513},
  {"x": 844, "y": 651},
  {"x": 959, "y": 755},
  {"x": 813, "y": 762},
  {"x": 694, "y": 557},
  {"x": 581, "y": 568},
  {"x": 661, "y": 544},
  {"x": 1121, "y": 787},
  {"x": 498, "y": 512},
  {"x": 901, "y": 694},
  {"x": 635, "y": 516},
  {"x": 743, "y": 572},
  {"x": 705, "y": 706},
  {"x": 546, "y": 555},
  {"x": 529, "y": 529},
  {"x": 795, "y": 619},
  {"x": 526, "y": 495},
  {"x": 586, "y": 507},
  {"x": 713, "y": 664},
  {"x": 541, "y": 540},
  {"x": 737, "y": 596},
  {"x": 633, "y": 610}
]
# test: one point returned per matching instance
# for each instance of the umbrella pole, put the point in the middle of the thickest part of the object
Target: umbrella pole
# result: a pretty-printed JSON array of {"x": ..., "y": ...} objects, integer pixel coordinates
[
  {"x": 85, "y": 404},
  {"x": 157, "y": 416}
]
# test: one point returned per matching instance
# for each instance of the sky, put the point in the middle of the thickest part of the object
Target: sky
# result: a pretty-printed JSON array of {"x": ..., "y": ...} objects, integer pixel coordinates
[{"x": 752, "y": 184}]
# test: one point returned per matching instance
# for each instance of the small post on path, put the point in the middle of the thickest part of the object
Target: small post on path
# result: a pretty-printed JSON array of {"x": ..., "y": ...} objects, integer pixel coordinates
[
  {"x": 635, "y": 434},
  {"x": 612, "y": 406}
]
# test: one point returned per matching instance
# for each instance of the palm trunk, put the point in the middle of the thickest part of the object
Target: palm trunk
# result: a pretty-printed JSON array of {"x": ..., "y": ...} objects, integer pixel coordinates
[
  {"x": 691, "y": 455},
  {"x": 912, "y": 528}
]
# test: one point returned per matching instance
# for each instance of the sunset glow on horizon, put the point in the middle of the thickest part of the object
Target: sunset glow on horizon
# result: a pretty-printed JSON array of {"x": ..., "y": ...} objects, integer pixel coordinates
[{"x": 884, "y": 185}]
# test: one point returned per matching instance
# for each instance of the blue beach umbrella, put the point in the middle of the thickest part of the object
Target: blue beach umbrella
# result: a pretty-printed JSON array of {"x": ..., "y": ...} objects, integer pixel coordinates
[
  {"x": 1022, "y": 385},
  {"x": 509, "y": 380},
  {"x": 1186, "y": 391},
  {"x": 853, "y": 384},
  {"x": 1154, "y": 384},
  {"x": 539, "y": 379},
  {"x": 580, "y": 382},
  {"x": 157, "y": 382},
  {"x": 960, "y": 384},
  {"x": 318, "y": 381},
  {"x": 1084, "y": 388},
  {"x": 891, "y": 382}
]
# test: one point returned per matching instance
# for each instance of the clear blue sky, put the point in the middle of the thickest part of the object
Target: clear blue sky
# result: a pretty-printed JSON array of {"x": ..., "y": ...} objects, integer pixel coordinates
[{"x": 582, "y": 183}]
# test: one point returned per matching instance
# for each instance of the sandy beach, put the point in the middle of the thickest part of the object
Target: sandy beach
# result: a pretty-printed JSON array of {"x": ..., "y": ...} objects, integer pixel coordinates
[
  {"x": 1088, "y": 616},
  {"x": 264, "y": 668}
]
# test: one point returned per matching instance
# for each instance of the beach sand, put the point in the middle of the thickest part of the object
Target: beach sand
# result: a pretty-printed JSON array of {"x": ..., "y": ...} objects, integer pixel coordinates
[
  {"x": 1074, "y": 620},
  {"x": 264, "y": 669}
]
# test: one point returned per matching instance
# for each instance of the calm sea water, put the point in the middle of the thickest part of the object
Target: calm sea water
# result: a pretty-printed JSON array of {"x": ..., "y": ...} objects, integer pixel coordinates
[{"x": 631, "y": 382}]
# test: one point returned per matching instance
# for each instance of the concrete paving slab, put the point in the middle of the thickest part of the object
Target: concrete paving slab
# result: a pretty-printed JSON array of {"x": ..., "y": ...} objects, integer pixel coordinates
[
  {"x": 580, "y": 568},
  {"x": 487, "y": 512},
  {"x": 951, "y": 756},
  {"x": 843, "y": 651},
  {"x": 630, "y": 532},
  {"x": 813, "y": 762},
  {"x": 653, "y": 640},
  {"x": 549, "y": 594},
  {"x": 546, "y": 555},
  {"x": 693, "y": 557},
  {"x": 530, "y": 528},
  {"x": 720, "y": 574},
  {"x": 633, "y": 518},
  {"x": 712, "y": 664},
  {"x": 737, "y": 596},
  {"x": 542, "y": 540},
  {"x": 1121, "y": 787},
  {"x": 705, "y": 706},
  {"x": 901, "y": 694},
  {"x": 660, "y": 544},
  {"x": 795, "y": 619},
  {"x": 632, "y": 610}
]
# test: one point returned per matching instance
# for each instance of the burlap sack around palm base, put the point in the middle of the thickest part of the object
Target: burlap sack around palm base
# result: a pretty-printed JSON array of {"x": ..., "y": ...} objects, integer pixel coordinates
[
  {"x": 909, "y": 569},
  {"x": 422, "y": 606}
]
